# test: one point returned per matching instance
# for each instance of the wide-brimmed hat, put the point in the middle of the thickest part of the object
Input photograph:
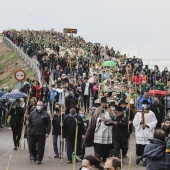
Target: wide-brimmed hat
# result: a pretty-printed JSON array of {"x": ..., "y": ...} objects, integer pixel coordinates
[
  {"x": 72, "y": 106},
  {"x": 122, "y": 102},
  {"x": 112, "y": 103},
  {"x": 119, "y": 109},
  {"x": 145, "y": 102},
  {"x": 103, "y": 100},
  {"x": 18, "y": 100}
]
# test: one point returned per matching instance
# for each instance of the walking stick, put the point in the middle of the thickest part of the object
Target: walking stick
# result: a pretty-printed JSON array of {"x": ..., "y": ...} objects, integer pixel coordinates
[
  {"x": 20, "y": 138},
  {"x": 51, "y": 132},
  {"x": 61, "y": 138},
  {"x": 165, "y": 108},
  {"x": 130, "y": 161},
  {"x": 7, "y": 168},
  {"x": 121, "y": 158},
  {"x": 75, "y": 147}
]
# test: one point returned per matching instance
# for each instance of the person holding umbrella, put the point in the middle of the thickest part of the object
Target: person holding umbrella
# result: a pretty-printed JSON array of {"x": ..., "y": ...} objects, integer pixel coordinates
[{"x": 16, "y": 121}]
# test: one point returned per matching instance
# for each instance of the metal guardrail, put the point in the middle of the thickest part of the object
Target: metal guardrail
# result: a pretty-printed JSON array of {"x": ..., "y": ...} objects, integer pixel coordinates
[{"x": 29, "y": 62}]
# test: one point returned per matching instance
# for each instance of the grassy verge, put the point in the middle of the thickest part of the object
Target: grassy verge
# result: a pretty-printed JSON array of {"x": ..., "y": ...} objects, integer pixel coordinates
[{"x": 9, "y": 63}]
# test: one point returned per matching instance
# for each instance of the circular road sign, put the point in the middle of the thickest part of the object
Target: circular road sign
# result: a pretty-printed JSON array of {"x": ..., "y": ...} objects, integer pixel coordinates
[{"x": 20, "y": 75}]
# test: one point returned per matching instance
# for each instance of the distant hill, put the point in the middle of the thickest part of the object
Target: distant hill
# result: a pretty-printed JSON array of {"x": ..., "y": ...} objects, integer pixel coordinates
[{"x": 9, "y": 63}]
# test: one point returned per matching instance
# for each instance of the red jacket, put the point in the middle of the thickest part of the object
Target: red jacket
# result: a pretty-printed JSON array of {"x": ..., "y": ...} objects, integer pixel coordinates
[
  {"x": 137, "y": 79},
  {"x": 46, "y": 74}
]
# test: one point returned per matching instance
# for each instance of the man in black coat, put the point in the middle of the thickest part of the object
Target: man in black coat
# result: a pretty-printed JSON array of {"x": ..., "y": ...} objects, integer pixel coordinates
[
  {"x": 69, "y": 125},
  {"x": 87, "y": 89},
  {"x": 40, "y": 127},
  {"x": 17, "y": 113},
  {"x": 120, "y": 132},
  {"x": 166, "y": 126},
  {"x": 159, "y": 110}
]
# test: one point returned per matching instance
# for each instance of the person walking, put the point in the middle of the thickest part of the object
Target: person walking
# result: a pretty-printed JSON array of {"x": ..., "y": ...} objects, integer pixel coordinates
[
  {"x": 69, "y": 125},
  {"x": 87, "y": 90},
  {"x": 144, "y": 123},
  {"x": 103, "y": 134},
  {"x": 40, "y": 127},
  {"x": 17, "y": 113},
  {"x": 56, "y": 131}
]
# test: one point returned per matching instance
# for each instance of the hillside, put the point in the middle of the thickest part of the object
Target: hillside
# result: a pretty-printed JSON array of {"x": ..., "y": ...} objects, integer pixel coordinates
[{"x": 9, "y": 63}]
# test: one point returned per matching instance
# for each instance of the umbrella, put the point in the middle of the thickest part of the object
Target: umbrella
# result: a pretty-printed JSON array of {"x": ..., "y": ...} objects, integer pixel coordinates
[
  {"x": 1, "y": 93},
  {"x": 13, "y": 95},
  {"x": 157, "y": 92},
  {"x": 109, "y": 63},
  {"x": 97, "y": 44}
]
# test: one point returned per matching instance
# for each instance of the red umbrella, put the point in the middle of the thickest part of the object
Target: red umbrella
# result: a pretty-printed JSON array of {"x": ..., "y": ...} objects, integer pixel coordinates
[{"x": 157, "y": 92}]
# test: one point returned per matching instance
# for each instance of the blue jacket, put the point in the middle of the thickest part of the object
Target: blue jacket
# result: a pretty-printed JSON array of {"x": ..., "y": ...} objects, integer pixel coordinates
[
  {"x": 154, "y": 155},
  {"x": 53, "y": 95},
  {"x": 140, "y": 100}
]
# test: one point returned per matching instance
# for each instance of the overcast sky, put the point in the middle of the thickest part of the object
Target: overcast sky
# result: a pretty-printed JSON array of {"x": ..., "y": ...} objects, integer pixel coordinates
[{"x": 135, "y": 27}]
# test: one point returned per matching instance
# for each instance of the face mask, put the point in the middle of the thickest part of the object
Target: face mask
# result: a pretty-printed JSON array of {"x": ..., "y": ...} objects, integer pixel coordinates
[
  {"x": 72, "y": 112},
  {"x": 44, "y": 85},
  {"x": 155, "y": 102},
  {"x": 82, "y": 115},
  {"x": 144, "y": 106},
  {"x": 57, "y": 109},
  {"x": 38, "y": 108},
  {"x": 83, "y": 168}
]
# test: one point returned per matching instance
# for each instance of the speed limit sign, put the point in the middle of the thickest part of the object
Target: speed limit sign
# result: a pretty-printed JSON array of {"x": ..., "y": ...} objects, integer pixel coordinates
[{"x": 20, "y": 75}]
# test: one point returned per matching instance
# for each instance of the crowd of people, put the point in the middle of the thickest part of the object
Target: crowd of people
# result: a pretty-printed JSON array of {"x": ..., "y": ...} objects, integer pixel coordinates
[{"x": 98, "y": 105}]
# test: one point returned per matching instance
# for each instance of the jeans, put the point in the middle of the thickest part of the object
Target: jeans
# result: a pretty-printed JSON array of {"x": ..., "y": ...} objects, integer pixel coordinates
[
  {"x": 66, "y": 70},
  {"x": 70, "y": 148},
  {"x": 55, "y": 144}
]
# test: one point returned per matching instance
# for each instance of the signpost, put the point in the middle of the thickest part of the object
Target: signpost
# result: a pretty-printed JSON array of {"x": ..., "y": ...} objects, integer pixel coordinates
[
  {"x": 70, "y": 31},
  {"x": 20, "y": 75}
]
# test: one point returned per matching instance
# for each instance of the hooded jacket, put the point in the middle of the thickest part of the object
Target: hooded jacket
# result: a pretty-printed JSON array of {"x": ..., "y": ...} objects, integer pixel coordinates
[{"x": 154, "y": 155}]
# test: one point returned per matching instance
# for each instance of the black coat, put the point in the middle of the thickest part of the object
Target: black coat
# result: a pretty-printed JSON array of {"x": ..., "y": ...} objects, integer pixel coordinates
[
  {"x": 159, "y": 111},
  {"x": 40, "y": 123},
  {"x": 17, "y": 115},
  {"x": 90, "y": 89},
  {"x": 69, "y": 126},
  {"x": 56, "y": 124},
  {"x": 121, "y": 129}
]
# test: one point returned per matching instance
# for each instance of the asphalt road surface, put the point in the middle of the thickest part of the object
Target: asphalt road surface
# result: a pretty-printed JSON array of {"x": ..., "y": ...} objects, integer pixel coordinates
[{"x": 23, "y": 162}]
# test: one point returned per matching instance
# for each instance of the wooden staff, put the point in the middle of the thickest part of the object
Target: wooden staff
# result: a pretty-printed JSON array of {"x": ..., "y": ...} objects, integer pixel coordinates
[
  {"x": 7, "y": 168},
  {"x": 49, "y": 153},
  {"x": 75, "y": 146},
  {"x": 121, "y": 158},
  {"x": 129, "y": 111},
  {"x": 89, "y": 107},
  {"x": 130, "y": 161},
  {"x": 23, "y": 128},
  {"x": 21, "y": 138},
  {"x": 165, "y": 108},
  {"x": 61, "y": 137},
  {"x": 143, "y": 116}
]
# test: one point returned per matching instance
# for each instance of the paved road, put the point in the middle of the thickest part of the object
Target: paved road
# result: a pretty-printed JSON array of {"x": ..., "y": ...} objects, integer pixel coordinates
[{"x": 23, "y": 163}]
